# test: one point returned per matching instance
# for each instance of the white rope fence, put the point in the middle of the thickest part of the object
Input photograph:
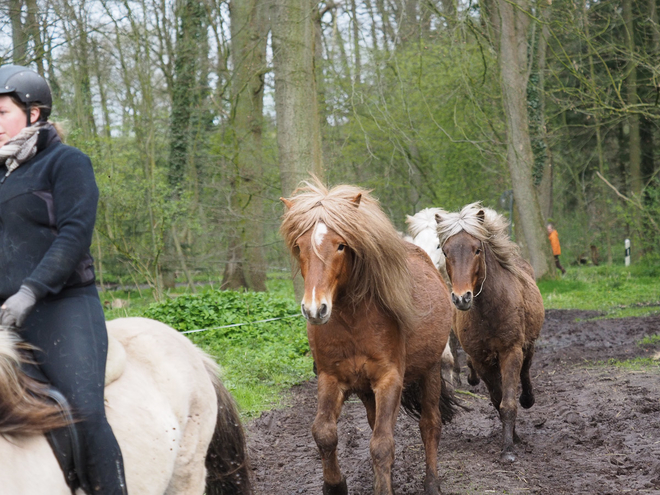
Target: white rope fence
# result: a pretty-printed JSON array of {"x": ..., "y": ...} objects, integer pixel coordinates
[{"x": 241, "y": 324}]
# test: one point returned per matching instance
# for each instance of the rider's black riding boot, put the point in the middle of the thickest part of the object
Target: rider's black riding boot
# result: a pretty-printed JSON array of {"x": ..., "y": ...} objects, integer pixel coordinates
[{"x": 105, "y": 466}]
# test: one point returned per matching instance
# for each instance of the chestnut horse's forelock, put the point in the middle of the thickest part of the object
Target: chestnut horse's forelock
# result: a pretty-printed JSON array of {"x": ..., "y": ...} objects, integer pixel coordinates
[
  {"x": 491, "y": 229},
  {"x": 380, "y": 268}
]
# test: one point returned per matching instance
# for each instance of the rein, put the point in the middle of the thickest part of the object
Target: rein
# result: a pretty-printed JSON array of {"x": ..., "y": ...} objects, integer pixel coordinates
[{"x": 485, "y": 270}]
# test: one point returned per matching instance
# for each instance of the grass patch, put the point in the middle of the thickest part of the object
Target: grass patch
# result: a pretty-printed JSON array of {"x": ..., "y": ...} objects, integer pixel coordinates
[
  {"x": 650, "y": 340},
  {"x": 616, "y": 290},
  {"x": 259, "y": 360},
  {"x": 634, "y": 364}
]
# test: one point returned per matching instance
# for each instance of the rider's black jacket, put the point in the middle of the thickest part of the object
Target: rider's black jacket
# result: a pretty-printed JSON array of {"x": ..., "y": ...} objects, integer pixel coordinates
[{"x": 47, "y": 214}]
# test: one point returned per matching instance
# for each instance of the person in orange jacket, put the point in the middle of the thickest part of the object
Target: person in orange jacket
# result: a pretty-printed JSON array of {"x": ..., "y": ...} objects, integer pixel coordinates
[{"x": 556, "y": 248}]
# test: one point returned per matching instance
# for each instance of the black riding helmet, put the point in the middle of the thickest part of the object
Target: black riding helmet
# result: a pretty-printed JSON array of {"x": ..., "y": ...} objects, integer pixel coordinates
[{"x": 28, "y": 86}]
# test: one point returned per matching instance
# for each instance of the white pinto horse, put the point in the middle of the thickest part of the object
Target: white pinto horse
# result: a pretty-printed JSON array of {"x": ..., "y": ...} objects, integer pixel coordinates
[
  {"x": 176, "y": 424},
  {"x": 422, "y": 227}
]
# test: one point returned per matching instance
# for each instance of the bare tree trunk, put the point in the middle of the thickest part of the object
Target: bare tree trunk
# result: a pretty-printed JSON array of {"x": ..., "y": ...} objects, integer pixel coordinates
[
  {"x": 604, "y": 191},
  {"x": 634, "y": 141},
  {"x": 33, "y": 28},
  {"x": 513, "y": 68},
  {"x": 298, "y": 126},
  {"x": 249, "y": 32},
  {"x": 655, "y": 51},
  {"x": 356, "y": 44},
  {"x": 545, "y": 185},
  {"x": 18, "y": 32}
]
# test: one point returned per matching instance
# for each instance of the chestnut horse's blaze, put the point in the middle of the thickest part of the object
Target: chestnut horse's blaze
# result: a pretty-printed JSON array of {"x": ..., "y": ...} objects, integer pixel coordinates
[
  {"x": 325, "y": 264},
  {"x": 379, "y": 316},
  {"x": 500, "y": 308}
]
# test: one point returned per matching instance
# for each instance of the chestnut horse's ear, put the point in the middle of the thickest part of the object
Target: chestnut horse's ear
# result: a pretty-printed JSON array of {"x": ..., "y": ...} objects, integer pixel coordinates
[
  {"x": 288, "y": 203},
  {"x": 356, "y": 200},
  {"x": 438, "y": 218},
  {"x": 481, "y": 215}
]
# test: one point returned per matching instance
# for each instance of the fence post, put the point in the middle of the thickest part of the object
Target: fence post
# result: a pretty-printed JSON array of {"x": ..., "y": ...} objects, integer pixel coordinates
[{"x": 627, "y": 244}]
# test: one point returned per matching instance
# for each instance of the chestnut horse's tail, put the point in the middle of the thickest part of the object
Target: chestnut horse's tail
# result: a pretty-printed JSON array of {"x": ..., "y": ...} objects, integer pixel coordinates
[
  {"x": 411, "y": 401},
  {"x": 227, "y": 464}
]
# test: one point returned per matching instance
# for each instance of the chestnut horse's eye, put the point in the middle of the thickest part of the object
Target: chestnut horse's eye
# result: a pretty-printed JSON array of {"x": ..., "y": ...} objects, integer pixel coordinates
[
  {"x": 341, "y": 247},
  {"x": 477, "y": 252}
]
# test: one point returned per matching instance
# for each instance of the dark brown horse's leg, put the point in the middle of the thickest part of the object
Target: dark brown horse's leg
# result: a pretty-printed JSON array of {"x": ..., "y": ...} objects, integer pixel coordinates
[
  {"x": 324, "y": 430},
  {"x": 510, "y": 366},
  {"x": 527, "y": 396},
  {"x": 369, "y": 401},
  {"x": 430, "y": 426},
  {"x": 473, "y": 378},
  {"x": 388, "y": 397}
]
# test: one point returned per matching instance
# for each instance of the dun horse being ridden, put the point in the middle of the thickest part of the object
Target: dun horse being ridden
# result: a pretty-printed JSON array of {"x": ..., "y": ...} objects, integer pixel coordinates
[
  {"x": 501, "y": 309},
  {"x": 176, "y": 424},
  {"x": 378, "y": 317}
]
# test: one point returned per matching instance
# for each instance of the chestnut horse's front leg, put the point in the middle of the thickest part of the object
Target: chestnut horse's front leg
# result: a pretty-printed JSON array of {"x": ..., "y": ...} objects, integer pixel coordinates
[
  {"x": 324, "y": 430},
  {"x": 387, "y": 392},
  {"x": 430, "y": 426},
  {"x": 510, "y": 366}
]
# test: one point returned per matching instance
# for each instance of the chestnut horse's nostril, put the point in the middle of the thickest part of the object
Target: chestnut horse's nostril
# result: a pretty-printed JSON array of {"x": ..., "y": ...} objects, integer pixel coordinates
[
  {"x": 454, "y": 298},
  {"x": 323, "y": 310},
  {"x": 303, "y": 310},
  {"x": 467, "y": 297}
]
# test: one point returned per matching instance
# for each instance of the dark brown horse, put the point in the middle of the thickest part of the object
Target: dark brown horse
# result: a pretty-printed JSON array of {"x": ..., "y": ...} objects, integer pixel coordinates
[
  {"x": 378, "y": 318},
  {"x": 501, "y": 309}
]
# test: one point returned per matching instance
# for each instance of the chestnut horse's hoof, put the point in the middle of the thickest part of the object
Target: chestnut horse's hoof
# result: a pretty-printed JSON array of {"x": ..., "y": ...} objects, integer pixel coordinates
[
  {"x": 508, "y": 457},
  {"x": 431, "y": 486},
  {"x": 338, "y": 489},
  {"x": 527, "y": 400}
]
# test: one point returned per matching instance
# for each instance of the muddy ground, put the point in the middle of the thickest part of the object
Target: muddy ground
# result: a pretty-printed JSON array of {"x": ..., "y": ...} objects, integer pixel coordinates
[{"x": 595, "y": 428}]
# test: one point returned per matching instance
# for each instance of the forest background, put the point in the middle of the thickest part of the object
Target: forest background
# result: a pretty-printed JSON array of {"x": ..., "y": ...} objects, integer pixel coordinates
[{"x": 200, "y": 114}]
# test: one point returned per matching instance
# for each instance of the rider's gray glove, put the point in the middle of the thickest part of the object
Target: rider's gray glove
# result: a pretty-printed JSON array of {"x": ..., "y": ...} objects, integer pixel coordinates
[{"x": 16, "y": 308}]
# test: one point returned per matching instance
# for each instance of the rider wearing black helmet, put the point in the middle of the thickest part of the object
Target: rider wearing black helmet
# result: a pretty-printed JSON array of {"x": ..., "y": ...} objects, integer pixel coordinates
[{"x": 48, "y": 199}]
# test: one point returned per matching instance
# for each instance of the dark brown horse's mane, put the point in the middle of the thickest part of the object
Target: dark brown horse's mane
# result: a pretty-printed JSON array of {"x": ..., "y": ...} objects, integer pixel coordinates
[
  {"x": 380, "y": 269},
  {"x": 491, "y": 228},
  {"x": 24, "y": 406}
]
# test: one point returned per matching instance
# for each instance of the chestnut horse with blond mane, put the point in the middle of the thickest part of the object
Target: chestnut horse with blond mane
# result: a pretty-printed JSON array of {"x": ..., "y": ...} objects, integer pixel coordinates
[
  {"x": 500, "y": 308},
  {"x": 378, "y": 318},
  {"x": 177, "y": 426}
]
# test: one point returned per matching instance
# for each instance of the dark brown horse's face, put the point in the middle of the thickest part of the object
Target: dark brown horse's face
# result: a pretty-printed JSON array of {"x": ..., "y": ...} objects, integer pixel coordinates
[
  {"x": 466, "y": 265},
  {"x": 325, "y": 264}
]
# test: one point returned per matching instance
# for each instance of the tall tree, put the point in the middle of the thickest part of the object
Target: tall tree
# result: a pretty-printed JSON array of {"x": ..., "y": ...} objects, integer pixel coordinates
[
  {"x": 18, "y": 32},
  {"x": 296, "y": 106},
  {"x": 513, "y": 33},
  {"x": 185, "y": 100},
  {"x": 632, "y": 125},
  {"x": 246, "y": 266}
]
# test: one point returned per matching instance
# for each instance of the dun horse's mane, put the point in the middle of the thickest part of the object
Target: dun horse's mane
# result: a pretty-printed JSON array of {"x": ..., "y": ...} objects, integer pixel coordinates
[
  {"x": 380, "y": 269},
  {"x": 491, "y": 230},
  {"x": 422, "y": 220},
  {"x": 23, "y": 406}
]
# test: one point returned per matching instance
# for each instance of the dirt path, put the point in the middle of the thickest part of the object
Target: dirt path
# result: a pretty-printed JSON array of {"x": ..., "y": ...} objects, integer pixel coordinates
[{"x": 595, "y": 428}]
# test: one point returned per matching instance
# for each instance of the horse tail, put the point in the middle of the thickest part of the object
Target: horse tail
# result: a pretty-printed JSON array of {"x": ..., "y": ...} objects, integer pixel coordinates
[
  {"x": 24, "y": 405},
  {"x": 227, "y": 463},
  {"x": 411, "y": 401}
]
